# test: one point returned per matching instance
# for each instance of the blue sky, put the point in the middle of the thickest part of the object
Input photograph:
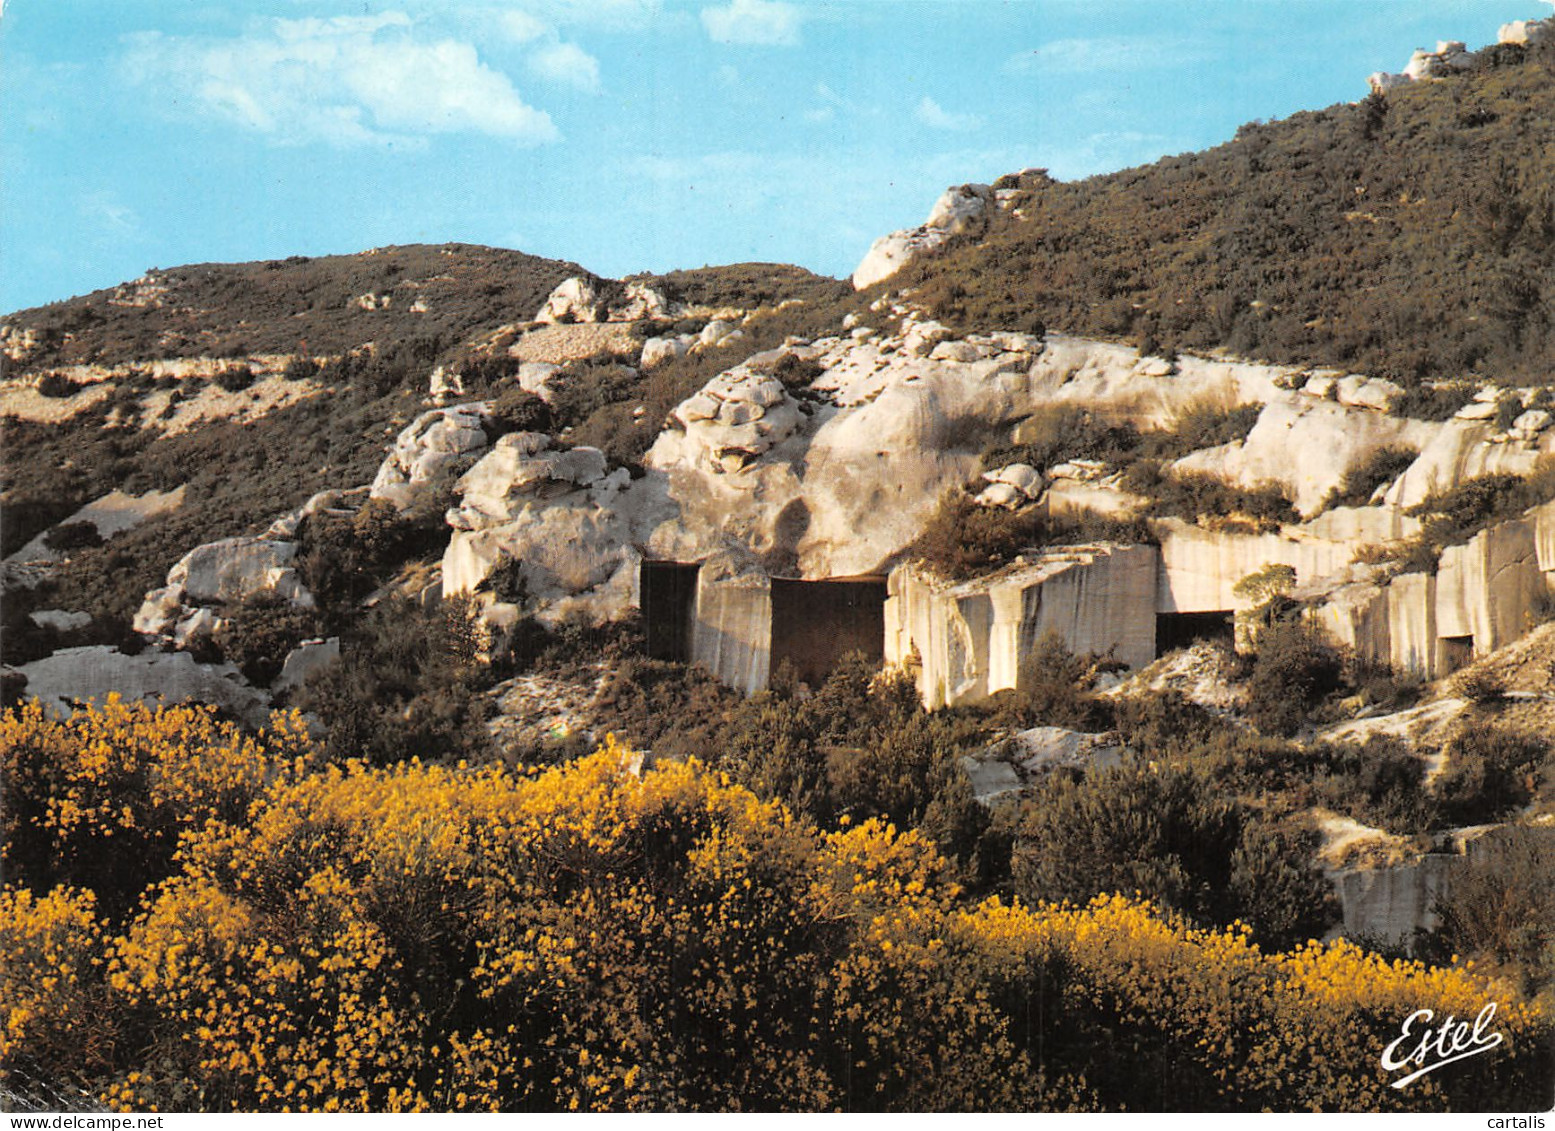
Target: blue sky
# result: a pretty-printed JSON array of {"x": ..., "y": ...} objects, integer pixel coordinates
[{"x": 625, "y": 135}]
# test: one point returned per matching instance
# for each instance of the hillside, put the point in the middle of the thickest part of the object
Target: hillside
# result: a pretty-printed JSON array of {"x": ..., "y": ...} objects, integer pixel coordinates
[
  {"x": 301, "y": 304},
  {"x": 1410, "y": 235}
]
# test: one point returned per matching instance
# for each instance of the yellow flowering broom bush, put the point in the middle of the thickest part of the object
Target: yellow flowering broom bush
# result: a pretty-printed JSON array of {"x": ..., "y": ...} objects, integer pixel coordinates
[
  {"x": 51, "y": 987},
  {"x": 437, "y": 937},
  {"x": 99, "y": 800}
]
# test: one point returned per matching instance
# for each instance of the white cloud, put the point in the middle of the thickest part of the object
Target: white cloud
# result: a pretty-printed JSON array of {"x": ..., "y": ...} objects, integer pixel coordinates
[
  {"x": 341, "y": 81},
  {"x": 566, "y": 63},
  {"x": 936, "y": 117},
  {"x": 764, "y": 23},
  {"x": 1106, "y": 53},
  {"x": 521, "y": 27}
]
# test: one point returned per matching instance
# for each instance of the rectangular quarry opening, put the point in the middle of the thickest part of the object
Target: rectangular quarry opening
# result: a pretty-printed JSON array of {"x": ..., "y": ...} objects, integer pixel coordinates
[
  {"x": 669, "y": 597},
  {"x": 816, "y": 623},
  {"x": 1457, "y": 652},
  {"x": 1180, "y": 630}
]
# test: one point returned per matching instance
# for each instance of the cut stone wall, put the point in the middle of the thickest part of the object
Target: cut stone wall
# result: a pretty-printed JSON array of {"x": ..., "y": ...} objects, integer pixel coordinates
[
  {"x": 732, "y": 632},
  {"x": 968, "y": 641}
]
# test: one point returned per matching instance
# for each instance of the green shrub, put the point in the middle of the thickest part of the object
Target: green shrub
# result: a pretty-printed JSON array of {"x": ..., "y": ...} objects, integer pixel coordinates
[
  {"x": 1196, "y": 496},
  {"x": 233, "y": 378},
  {"x": 1454, "y": 516},
  {"x": 1053, "y": 689},
  {"x": 1206, "y": 423},
  {"x": 1295, "y": 668},
  {"x": 1361, "y": 481},
  {"x": 1378, "y": 783},
  {"x": 1491, "y": 772},
  {"x": 1500, "y": 906},
  {"x": 69, "y": 536},
  {"x": 57, "y": 386},
  {"x": 964, "y": 539},
  {"x": 407, "y": 686},
  {"x": 257, "y": 636},
  {"x": 1275, "y": 887},
  {"x": 1165, "y": 724},
  {"x": 342, "y": 558},
  {"x": 1058, "y": 434},
  {"x": 514, "y": 410}
]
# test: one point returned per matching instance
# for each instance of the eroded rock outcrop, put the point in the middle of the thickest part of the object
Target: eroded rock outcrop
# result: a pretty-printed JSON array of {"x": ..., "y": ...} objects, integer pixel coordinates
[
  {"x": 549, "y": 519},
  {"x": 429, "y": 455},
  {"x": 957, "y": 211},
  {"x": 585, "y": 300}
]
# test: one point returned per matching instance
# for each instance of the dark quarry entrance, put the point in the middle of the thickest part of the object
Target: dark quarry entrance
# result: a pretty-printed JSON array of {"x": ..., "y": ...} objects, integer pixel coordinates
[
  {"x": 1180, "y": 630},
  {"x": 816, "y": 623},
  {"x": 1457, "y": 653},
  {"x": 669, "y": 598}
]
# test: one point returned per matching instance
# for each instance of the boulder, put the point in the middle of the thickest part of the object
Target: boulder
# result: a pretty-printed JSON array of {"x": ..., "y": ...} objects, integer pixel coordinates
[
  {"x": 199, "y": 625},
  {"x": 520, "y": 468},
  {"x": 1002, "y": 495},
  {"x": 1478, "y": 410},
  {"x": 715, "y": 332},
  {"x": 957, "y": 351},
  {"x": 736, "y": 417},
  {"x": 658, "y": 350},
  {"x": 302, "y": 661},
  {"x": 990, "y": 778},
  {"x": 539, "y": 378},
  {"x": 639, "y": 301},
  {"x": 234, "y": 570},
  {"x": 59, "y": 619},
  {"x": 1022, "y": 476},
  {"x": 158, "y": 611}
]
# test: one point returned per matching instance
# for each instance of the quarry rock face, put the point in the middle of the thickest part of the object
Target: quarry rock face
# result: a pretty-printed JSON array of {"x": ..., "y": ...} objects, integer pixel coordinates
[
  {"x": 969, "y": 640},
  {"x": 955, "y": 212},
  {"x": 768, "y": 485},
  {"x": 760, "y": 485}
]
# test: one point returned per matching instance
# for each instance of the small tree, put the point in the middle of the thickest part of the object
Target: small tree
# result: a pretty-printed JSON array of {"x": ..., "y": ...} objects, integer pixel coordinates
[{"x": 1265, "y": 589}]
